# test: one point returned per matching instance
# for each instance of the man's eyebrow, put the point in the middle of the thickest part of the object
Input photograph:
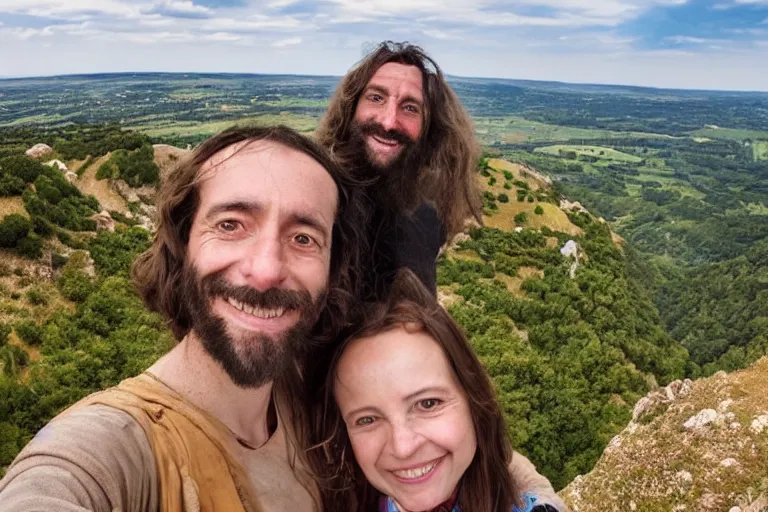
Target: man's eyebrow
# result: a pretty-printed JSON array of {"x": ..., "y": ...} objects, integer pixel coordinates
[
  {"x": 309, "y": 220},
  {"x": 234, "y": 206},
  {"x": 377, "y": 88}
]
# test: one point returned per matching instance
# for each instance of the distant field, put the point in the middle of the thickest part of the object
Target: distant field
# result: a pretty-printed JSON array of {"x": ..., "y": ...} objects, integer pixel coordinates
[
  {"x": 760, "y": 150},
  {"x": 301, "y": 123},
  {"x": 730, "y": 134},
  {"x": 595, "y": 151},
  {"x": 292, "y": 102},
  {"x": 515, "y": 130}
]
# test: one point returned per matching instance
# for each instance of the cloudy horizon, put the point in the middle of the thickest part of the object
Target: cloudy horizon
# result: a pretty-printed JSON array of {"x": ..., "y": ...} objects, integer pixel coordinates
[{"x": 683, "y": 44}]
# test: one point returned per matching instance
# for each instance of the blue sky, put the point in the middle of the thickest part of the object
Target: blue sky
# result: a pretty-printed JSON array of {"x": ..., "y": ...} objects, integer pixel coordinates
[{"x": 704, "y": 44}]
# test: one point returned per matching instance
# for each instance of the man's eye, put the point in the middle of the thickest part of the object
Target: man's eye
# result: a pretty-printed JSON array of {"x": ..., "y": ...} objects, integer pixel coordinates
[
  {"x": 303, "y": 239},
  {"x": 228, "y": 225},
  {"x": 376, "y": 97},
  {"x": 413, "y": 109},
  {"x": 364, "y": 421}
]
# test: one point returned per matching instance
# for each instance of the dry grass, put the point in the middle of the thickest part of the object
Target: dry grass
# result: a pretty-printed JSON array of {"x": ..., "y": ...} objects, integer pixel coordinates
[
  {"x": 467, "y": 255},
  {"x": 167, "y": 157},
  {"x": 100, "y": 189},
  {"x": 9, "y": 205},
  {"x": 641, "y": 469}
]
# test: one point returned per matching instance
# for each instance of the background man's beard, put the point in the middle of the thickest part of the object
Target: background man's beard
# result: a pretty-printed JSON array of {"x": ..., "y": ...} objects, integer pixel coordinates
[
  {"x": 251, "y": 359},
  {"x": 397, "y": 184}
]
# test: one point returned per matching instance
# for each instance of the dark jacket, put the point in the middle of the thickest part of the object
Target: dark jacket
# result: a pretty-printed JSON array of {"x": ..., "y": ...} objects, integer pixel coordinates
[{"x": 403, "y": 240}]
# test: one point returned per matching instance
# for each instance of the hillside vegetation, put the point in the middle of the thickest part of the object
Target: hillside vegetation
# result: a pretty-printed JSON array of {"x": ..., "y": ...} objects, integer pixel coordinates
[{"x": 699, "y": 445}]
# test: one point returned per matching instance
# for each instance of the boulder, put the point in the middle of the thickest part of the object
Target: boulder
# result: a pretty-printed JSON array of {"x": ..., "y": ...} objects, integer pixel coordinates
[
  {"x": 39, "y": 150},
  {"x": 701, "y": 419},
  {"x": 103, "y": 221}
]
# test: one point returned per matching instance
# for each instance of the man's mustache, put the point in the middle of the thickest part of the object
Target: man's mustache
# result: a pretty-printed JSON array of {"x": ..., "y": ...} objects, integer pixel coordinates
[
  {"x": 374, "y": 128},
  {"x": 273, "y": 298}
]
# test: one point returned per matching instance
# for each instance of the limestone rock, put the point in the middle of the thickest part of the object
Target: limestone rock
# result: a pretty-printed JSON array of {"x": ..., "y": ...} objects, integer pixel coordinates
[
  {"x": 70, "y": 176},
  {"x": 38, "y": 150},
  {"x": 712, "y": 464},
  {"x": 57, "y": 164},
  {"x": 104, "y": 221},
  {"x": 701, "y": 419},
  {"x": 570, "y": 206},
  {"x": 759, "y": 424}
]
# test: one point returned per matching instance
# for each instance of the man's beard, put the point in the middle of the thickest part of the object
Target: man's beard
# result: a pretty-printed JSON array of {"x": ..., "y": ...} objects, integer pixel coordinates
[
  {"x": 397, "y": 181},
  {"x": 251, "y": 359}
]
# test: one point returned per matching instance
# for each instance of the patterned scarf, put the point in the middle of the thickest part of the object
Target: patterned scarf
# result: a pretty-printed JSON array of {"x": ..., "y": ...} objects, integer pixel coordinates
[{"x": 387, "y": 504}]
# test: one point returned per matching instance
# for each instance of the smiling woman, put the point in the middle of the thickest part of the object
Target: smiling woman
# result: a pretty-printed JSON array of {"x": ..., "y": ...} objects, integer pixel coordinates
[{"x": 411, "y": 399}]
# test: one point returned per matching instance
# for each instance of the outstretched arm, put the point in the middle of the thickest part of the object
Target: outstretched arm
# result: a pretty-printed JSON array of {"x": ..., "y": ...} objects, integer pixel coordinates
[
  {"x": 530, "y": 481},
  {"x": 95, "y": 458}
]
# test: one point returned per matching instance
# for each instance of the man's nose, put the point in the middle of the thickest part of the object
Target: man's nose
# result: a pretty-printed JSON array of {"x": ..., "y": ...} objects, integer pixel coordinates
[
  {"x": 389, "y": 115},
  {"x": 264, "y": 264},
  {"x": 404, "y": 440}
]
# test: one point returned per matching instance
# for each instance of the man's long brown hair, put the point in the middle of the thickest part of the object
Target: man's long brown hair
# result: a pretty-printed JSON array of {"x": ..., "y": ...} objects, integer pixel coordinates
[
  {"x": 157, "y": 273},
  {"x": 486, "y": 485},
  {"x": 449, "y": 177}
]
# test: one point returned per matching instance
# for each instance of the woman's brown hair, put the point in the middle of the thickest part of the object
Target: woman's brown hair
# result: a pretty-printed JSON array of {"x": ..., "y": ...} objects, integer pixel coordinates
[
  {"x": 486, "y": 485},
  {"x": 449, "y": 178}
]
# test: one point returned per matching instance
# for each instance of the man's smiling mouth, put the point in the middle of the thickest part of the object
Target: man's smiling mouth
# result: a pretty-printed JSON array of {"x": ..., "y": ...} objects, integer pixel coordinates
[{"x": 257, "y": 312}]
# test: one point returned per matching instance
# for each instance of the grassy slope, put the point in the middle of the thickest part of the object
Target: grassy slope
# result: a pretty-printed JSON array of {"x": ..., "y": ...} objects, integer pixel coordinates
[{"x": 644, "y": 471}]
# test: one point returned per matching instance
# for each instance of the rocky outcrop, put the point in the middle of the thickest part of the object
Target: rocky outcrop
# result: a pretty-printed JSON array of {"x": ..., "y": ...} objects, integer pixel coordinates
[
  {"x": 571, "y": 206},
  {"x": 39, "y": 150},
  {"x": 57, "y": 164},
  {"x": 104, "y": 221},
  {"x": 690, "y": 446},
  {"x": 571, "y": 250}
]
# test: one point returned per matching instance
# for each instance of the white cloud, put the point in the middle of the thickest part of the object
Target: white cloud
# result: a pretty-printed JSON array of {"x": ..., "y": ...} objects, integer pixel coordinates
[{"x": 291, "y": 41}]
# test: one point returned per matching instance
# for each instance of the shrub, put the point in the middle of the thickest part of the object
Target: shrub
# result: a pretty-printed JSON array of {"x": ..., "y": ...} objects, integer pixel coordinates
[
  {"x": 521, "y": 218},
  {"x": 58, "y": 260},
  {"x": 22, "y": 167},
  {"x": 539, "y": 210},
  {"x": 507, "y": 185},
  {"x": 30, "y": 246},
  {"x": 508, "y": 175},
  {"x": 13, "y": 228},
  {"x": 5, "y": 330},
  {"x": 503, "y": 198},
  {"x": 42, "y": 226},
  {"x": 11, "y": 185},
  {"x": 36, "y": 297},
  {"x": 491, "y": 181},
  {"x": 29, "y": 332}
]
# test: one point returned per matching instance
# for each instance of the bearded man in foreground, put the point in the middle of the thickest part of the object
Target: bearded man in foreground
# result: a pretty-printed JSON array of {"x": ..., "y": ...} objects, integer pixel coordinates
[{"x": 250, "y": 254}]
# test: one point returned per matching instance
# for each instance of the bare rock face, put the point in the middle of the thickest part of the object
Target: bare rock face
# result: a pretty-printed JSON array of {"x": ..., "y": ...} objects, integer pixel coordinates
[
  {"x": 70, "y": 176},
  {"x": 685, "y": 450},
  {"x": 58, "y": 164},
  {"x": 39, "y": 150},
  {"x": 104, "y": 221},
  {"x": 570, "y": 206}
]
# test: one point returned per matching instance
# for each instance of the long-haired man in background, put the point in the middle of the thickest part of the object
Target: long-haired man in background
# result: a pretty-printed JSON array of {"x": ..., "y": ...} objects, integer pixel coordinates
[{"x": 398, "y": 126}]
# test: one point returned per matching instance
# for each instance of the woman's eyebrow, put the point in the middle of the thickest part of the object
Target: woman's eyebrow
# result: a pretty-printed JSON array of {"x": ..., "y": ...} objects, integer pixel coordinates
[{"x": 428, "y": 389}]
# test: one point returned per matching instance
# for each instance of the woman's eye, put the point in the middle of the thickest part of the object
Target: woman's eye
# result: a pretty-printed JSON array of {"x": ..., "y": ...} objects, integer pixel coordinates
[
  {"x": 364, "y": 421},
  {"x": 429, "y": 403}
]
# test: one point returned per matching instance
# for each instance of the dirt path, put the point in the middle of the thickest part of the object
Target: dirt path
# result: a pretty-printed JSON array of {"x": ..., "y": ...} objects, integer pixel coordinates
[{"x": 100, "y": 189}]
